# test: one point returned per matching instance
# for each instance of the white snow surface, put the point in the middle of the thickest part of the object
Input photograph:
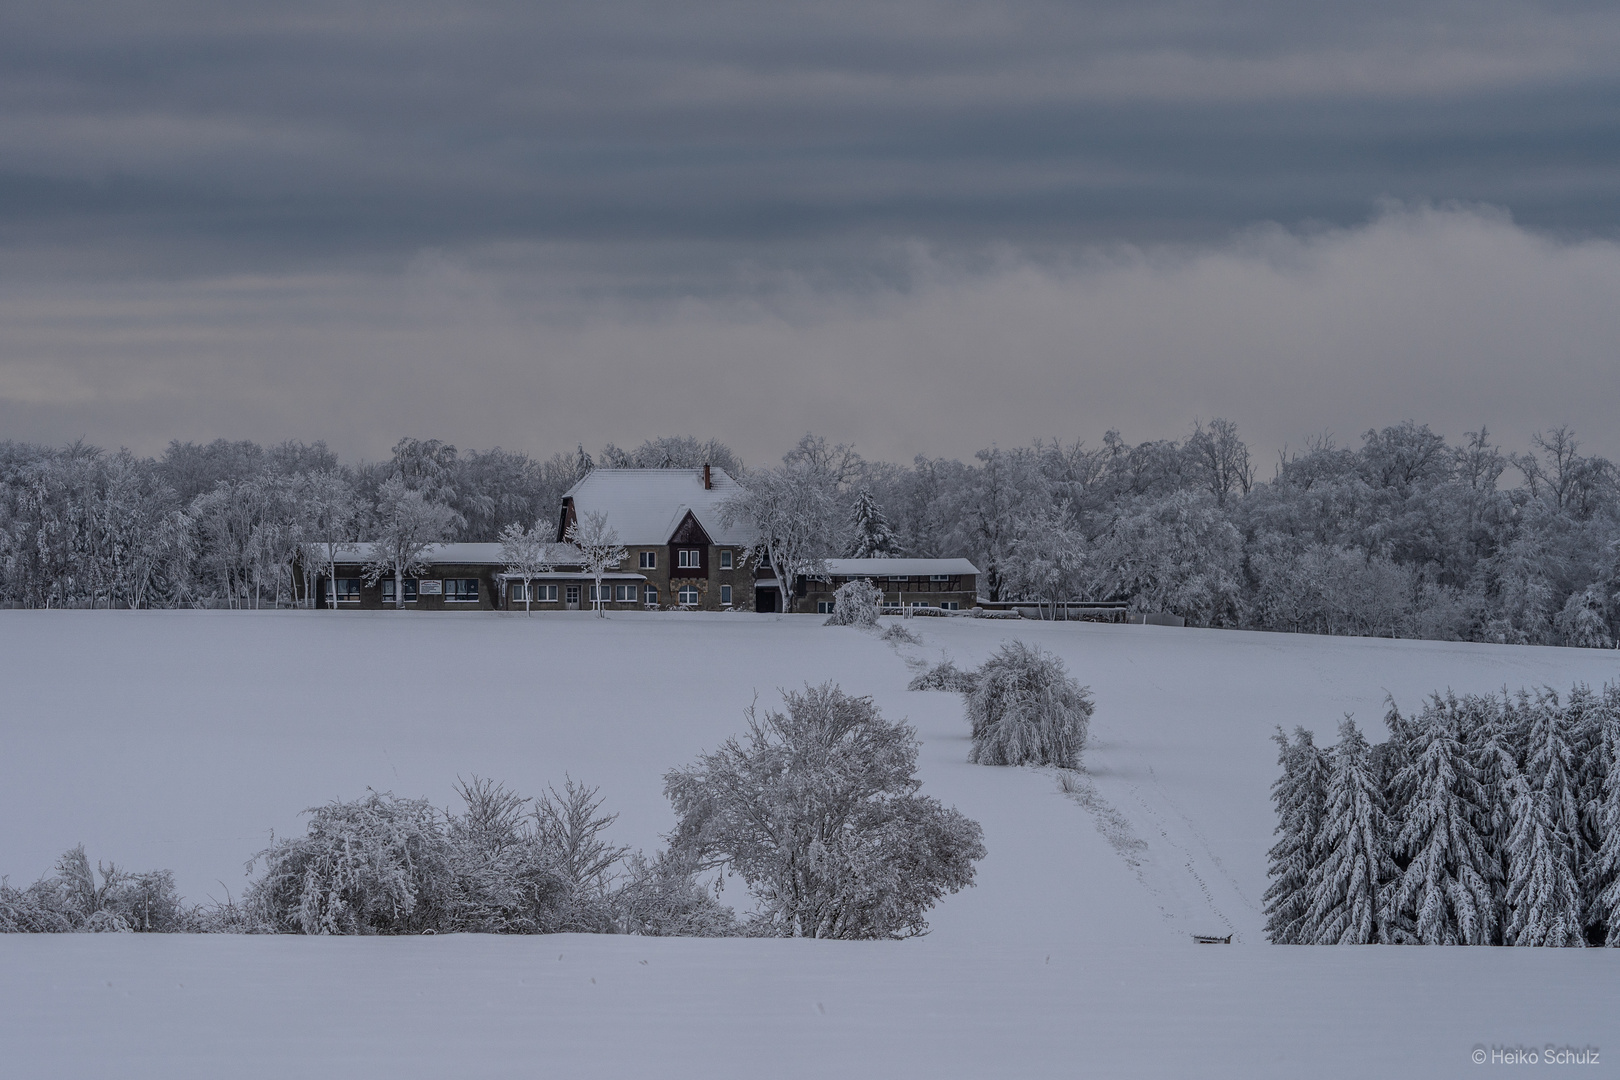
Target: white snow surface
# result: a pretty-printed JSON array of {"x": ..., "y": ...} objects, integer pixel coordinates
[{"x": 181, "y": 739}]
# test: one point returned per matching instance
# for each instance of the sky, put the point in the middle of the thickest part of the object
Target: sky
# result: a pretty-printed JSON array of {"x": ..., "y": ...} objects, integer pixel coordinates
[{"x": 922, "y": 227}]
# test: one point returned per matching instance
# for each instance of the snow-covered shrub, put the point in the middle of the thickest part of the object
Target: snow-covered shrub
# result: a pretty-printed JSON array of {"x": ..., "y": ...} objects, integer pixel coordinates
[
  {"x": 856, "y": 603},
  {"x": 896, "y": 634},
  {"x": 378, "y": 865},
  {"x": 384, "y": 865},
  {"x": 71, "y": 900},
  {"x": 661, "y": 897},
  {"x": 946, "y": 676},
  {"x": 817, "y": 810},
  {"x": 1026, "y": 710}
]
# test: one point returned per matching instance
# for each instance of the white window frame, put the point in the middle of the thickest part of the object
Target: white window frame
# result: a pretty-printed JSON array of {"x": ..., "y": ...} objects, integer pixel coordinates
[
  {"x": 939, "y": 577},
  {"x": 899, "y": 577},
  {"x": 454, "y": 596},
  {"x": 689, "y": 559},
  {"x": 345, "y": 597},
  {"x": 649, "y": 560},
  {"x": 950, "y": 605},
  {"x": 649, "y": 596},
  {"x": 725, "y": 595},
  {"x": 626, "y": 594},
  {"x": 824, "y": 607},
  {"x": 726, "y": 560},
  {"x": 688, "y": 590}
]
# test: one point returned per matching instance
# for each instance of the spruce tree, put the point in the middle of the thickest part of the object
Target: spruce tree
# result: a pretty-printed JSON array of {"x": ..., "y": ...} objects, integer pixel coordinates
[
  {"x": 873, "y": 537},
  {"x": 1445, "y": 894},
  {"x": 1603, "y": 876},
  {"x": 1543, "y": 894},
  {"x": 1496, "y": 758},
  {"x": 1347, "y": 885},
  {"x": 1299, "y": 795}
]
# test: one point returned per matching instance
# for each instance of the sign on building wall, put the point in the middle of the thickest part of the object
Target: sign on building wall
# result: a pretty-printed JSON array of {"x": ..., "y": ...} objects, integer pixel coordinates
[{"x": 430, "y": 587}]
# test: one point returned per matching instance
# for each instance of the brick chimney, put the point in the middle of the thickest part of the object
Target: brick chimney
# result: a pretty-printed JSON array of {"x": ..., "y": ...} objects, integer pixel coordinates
[{"x": 708, "y": 479}]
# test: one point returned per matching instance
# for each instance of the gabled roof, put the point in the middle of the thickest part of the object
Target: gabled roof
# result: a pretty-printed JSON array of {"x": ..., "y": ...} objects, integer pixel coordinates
[
  {"x": 463, "y": 554},
  {"x": 898, "y": 567},
  {"x": 646, "y": 506}
]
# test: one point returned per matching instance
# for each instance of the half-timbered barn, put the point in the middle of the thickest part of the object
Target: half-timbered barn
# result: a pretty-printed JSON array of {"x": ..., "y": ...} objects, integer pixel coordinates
[{"x": 951, "y": 584}]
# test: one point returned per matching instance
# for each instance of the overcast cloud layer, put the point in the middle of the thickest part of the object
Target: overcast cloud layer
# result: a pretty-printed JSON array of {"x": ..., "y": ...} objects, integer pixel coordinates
[{"x": 923, "y": 226}]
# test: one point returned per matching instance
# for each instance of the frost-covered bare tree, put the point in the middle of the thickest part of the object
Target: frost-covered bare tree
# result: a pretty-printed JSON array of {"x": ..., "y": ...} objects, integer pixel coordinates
[
  {"x": 525, "y": 553},
  {"x": 599, "y": 550},
  {"x": 816, "y": 809},
  {"x": 793, "y": 511},
  {"x": 407, "y": 523}
]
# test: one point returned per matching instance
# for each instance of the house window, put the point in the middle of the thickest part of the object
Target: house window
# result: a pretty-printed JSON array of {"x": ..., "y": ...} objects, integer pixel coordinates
[
  {"x": 388, "y": 590},
  {"x": 950, "y": 605},
  {"x": 347, "y": 591},
  {"x": 725, "y": 594},
  {"x": 625, "y": 594},
  {"x": 649, "y": 560},
  {"x": 689, "y": 559},
  {"x": 591, "y": 589},
  {"x": 542, "y": 593},
  {"x": 899, "y": 577},
  {"x": 461, "y": 590},
  {"x": 920, "y": 603},
  {"x": 650, "y": 596},
  {"x": 688, "y": 595},
  {"x": 824, "y": 607},
  {"x": 939, "y": 577},
  {"x": 725, "y": 560}
]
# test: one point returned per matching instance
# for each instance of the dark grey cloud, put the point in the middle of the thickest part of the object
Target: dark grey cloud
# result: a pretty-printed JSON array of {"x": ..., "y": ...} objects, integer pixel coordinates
[
  {"x": 540, "y": 223},
  {"x": 343, "y": 129}
]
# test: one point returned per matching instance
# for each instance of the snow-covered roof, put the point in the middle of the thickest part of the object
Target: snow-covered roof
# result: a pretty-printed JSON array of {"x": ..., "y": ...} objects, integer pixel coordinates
[
  {"x": 644, "y": 506},
  {"x": 898, "y": 567},
  {"x": 463, "y": 554}
]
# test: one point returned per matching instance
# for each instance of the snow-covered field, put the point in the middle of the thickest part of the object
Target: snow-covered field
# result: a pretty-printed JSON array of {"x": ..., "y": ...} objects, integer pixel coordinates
[{"x": 180, "y": 739}]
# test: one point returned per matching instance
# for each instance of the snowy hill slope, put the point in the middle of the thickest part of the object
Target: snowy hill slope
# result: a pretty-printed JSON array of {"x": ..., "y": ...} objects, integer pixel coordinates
[{"x": 180, "y": 739}]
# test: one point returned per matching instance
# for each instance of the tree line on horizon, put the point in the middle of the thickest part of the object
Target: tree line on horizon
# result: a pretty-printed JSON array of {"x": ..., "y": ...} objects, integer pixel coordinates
[{"x": 1406, "y": 535}]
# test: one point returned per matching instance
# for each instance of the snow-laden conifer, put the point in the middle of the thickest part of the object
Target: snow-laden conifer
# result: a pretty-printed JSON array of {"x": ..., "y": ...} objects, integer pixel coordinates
[
  {"x": 1603, "y": 875},
  {"x": 1299, "y": 795},
  {"x": 856, "y": 603},
  {"x": 1347, "y": 883},
  {"x": 1543, "y": 892},
  {"x": 1026, "y": 710},
  {"x": 871, "y": 536},
  {"x": 1445, "y": 895}
]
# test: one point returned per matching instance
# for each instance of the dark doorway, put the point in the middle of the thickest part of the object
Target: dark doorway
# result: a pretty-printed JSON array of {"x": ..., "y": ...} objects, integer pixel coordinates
[{"x": 764, "y": 600}]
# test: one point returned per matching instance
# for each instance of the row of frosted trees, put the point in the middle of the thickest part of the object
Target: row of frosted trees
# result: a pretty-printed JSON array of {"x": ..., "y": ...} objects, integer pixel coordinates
[
  {"x": 1405, "y": 535},
  {"x": 1482, "y": 820}
]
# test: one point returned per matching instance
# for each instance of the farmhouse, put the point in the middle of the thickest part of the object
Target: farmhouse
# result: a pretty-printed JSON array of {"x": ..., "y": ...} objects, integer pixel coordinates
[
  {"x": 679, "y": 554},
  {"x": 671, "y": 523}
]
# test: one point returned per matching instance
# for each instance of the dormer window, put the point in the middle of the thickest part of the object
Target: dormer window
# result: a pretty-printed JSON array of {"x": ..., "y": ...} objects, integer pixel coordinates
[{"x": 689, "y": 558}]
